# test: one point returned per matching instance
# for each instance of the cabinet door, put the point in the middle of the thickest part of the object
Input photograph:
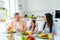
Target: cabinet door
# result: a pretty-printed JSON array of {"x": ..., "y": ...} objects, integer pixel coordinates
[
  {"x": 58, "y": 32},
  {"x": 58, "y": 24}
]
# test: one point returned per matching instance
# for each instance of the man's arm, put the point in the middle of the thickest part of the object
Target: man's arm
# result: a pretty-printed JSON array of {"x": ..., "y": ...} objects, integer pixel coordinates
[
  {"x": 24, "y": 26},
  {"x": 10, "y": 26}
]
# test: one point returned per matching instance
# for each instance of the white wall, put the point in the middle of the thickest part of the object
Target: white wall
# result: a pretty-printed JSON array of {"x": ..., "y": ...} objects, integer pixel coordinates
[
  {"x": 37, "y": 7},
  {"x": 57, "y": 4}
]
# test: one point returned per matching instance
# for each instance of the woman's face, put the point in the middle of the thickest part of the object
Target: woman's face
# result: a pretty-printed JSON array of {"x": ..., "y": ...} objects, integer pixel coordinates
[
  {"x": 44, "y": 18},
  {"x": 32, "y": 23}
]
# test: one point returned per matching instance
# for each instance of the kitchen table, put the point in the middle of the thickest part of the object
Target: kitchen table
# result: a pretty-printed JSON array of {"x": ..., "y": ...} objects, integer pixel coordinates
[{"x": 16, "y": 36}]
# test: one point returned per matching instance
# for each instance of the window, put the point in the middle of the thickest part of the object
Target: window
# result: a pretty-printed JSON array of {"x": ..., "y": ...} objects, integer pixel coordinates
[{"x": 11, "y": 6}]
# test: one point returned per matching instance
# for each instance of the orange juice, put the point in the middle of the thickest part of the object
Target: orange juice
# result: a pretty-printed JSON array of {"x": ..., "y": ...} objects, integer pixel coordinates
[{"x": 50, "y": 36}]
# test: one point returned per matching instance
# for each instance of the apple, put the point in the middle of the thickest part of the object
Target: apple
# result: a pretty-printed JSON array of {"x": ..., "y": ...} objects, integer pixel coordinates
[
  {"x": 30, "y": 37},
  {"x": 24, "y": 38}
]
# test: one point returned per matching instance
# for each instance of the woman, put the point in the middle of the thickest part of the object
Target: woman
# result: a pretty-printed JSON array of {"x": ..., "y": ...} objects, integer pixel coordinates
[
  {"x": 49, "y": 26},
  {"x": 33, "y": 26}
]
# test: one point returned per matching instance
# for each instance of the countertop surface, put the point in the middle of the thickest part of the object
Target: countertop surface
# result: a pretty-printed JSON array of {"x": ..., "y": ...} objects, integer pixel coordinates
[
  {"x": 17, "y": 36},
  {"x": 4, "y": 36}
]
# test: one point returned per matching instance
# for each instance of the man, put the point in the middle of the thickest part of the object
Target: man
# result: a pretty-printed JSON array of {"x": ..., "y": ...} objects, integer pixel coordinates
[{"x": 17, "y": 24}]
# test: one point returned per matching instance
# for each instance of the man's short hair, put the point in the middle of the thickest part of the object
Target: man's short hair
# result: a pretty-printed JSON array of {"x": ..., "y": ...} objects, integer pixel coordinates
[{"x": 16, "y": 14}]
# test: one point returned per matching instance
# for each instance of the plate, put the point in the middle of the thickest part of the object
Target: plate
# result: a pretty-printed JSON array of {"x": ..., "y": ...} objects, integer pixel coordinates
[
  {"x": 11, "y": 32},
  {"x": 24, "y": 33},
  {"x": 43, "y": 36}
]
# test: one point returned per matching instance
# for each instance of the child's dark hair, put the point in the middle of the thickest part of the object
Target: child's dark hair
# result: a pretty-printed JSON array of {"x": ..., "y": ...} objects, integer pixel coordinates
[
  {"x": 34, "y": 21},
  {"x": 34, "y": 25}
]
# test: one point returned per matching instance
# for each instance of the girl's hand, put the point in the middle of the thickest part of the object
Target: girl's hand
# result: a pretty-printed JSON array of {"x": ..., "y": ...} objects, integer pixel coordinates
[{"x": 39, "y": 32}]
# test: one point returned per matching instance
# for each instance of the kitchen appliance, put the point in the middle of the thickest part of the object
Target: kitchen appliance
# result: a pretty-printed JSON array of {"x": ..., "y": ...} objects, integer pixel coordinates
[{"x": 57, "y": 14}]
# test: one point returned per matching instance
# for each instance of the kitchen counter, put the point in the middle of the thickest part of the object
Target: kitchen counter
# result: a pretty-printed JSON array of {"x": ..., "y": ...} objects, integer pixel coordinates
[
  {"x": 17, "y": 36},
  {"x": 3, "y": 26}
]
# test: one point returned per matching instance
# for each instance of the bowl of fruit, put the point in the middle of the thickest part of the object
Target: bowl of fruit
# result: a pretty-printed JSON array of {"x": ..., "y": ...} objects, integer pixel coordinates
[
  {"x": 27, "y": 33},
  {"x": 27, "y": 37},
  {"x": 12, "y": 31},
  {"x": 24, "y": 33}
]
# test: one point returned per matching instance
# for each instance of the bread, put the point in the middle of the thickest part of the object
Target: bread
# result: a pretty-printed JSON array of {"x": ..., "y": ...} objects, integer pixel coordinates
[{"x": 44, "y": 35}]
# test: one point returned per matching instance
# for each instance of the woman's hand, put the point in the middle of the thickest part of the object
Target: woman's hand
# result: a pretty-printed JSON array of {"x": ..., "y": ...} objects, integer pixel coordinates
[{"x": 53, "y": 33}]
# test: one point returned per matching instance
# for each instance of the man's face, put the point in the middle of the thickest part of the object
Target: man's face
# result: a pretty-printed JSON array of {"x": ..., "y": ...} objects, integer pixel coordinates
[{"x": 17, "y": 17}]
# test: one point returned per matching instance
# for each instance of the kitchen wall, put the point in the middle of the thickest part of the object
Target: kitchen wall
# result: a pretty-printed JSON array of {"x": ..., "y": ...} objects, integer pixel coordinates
[
  {"x": 39, "y": 6},
  {"x": 57, "y": 4}
]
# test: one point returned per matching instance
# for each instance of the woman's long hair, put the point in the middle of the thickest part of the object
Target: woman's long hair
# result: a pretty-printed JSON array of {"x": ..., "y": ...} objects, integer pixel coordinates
[{"x": 49, "y": 18}]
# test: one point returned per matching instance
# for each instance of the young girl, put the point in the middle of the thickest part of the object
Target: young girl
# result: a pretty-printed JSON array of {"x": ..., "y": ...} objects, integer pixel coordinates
[{"x": 33, "y": 26}]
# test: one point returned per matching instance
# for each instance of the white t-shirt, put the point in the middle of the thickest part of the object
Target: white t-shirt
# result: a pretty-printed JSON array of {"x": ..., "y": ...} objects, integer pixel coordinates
[{"x": 17, "y": 25}]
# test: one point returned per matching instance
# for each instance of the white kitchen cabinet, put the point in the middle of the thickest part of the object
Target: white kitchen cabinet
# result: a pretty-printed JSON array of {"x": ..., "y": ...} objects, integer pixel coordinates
[
  {"x": 2, "y": 27},
  {"x": 58, "y": 28},
  {"x": 3, "y": 11},
  {"x": 58, "y": 32},
  {"x": 57, "y": 37},
  {"x": 21, "y": 6},
  {"x": 3, "y": 14}
]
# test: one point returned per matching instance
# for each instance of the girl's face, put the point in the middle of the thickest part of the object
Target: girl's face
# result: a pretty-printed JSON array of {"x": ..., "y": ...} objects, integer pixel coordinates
[
  {"x": 45, "y": 19},
  {"x": 32, "y": 23}
]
